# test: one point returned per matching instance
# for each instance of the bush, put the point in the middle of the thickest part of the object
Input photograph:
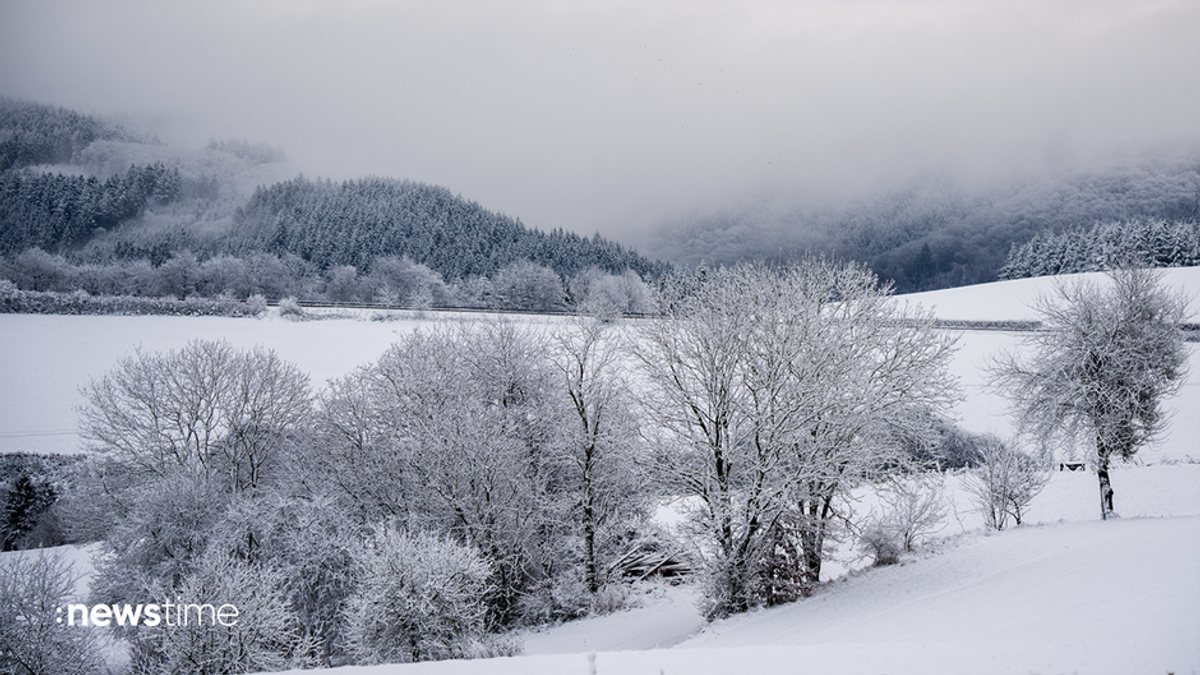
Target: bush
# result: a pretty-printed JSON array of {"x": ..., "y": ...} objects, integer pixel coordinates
[
  {"x": 290, "y": 309},
  {"x": 914, "y": 507},
  {"x": 1005, "y": 483},
  {"x": 308, "y": 541},
  {"x": 263, "y": 637},
  {"x": 882, "y": 542},
  {"x": 32, "y": 588},
  {"x": 160, "y": 539},
  {"x": 421, "y": 598}
]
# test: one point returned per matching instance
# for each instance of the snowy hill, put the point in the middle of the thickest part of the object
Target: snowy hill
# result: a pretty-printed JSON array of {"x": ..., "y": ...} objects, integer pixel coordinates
[
  {"x": 1011, "y": 300},
  {"x": 1096, "y": 597}
]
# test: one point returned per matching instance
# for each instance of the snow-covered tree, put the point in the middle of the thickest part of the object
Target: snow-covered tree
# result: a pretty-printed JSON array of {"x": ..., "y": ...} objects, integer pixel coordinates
[
  {"x": 410, "y": 284},
  {"x": 602, "y": 485},
  {"x": 262, "y": 636},
  {"x": 208, "y": 408},
  {"x": 309, "y": 541},
  {"x": 33, "y": 637},
  {"x": 1005, "y": 481},
  {"x": 454, "y": 431},
  {"x": 1098, "y": 372},
  {"x": 529, "y": 286},
  {"x": 769, "y": 389},
  {"x": 420, "y": 599},
  {"x": 598, "y": 293},
  {"x": 913, "y": 506}
]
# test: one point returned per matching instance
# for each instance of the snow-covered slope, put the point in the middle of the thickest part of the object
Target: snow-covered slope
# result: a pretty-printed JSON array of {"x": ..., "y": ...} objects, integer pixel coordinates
[
  {"x": 1011, "y": 300},
  {"x": 1098, "y": 597}
]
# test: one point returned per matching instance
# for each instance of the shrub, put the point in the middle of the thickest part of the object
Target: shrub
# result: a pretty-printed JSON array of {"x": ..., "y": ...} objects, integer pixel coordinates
[
  {"x": 32, "y": 588},
  {"x": 882, "y": 542},
  {"x": 421, "y": 598},
  {"x": 914, "y": 507},
  {"x": 1005, "y": 483},
  {"x": 290, "y": 309},
  {"x": 263, "y": 637}
]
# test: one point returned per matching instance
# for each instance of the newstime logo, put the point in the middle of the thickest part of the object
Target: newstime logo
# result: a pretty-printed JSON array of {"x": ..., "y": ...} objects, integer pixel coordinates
[{"x": 167, "y": 613}]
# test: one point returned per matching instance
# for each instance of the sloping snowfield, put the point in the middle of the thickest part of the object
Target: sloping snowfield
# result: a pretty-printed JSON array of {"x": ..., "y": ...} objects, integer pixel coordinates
[{"x": 1097, "y": 597}]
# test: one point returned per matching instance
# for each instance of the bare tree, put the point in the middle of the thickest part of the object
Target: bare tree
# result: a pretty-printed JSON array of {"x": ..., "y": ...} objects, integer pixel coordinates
[
  {"x": 693, "y": 365},
  {"x": 1005, "y": 482},
  {"x": 34, "y": 639},
  {"x": 914, "y": 506},
  {"x": 1100, "y": 368},
  {"x": 602, "y": 484},
  {"x": 769, "y": 388},
  {"x": 208, "y": 409}
]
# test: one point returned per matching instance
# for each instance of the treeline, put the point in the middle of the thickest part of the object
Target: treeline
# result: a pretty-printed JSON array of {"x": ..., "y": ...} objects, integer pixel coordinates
[
  {"x": 43, "y": 282},
  {"x": 86, "y": 205},
  {"x": 16, "y": 301},
  {"x": 1106, "y": 246},
  {"x": 938, "y": 233}
]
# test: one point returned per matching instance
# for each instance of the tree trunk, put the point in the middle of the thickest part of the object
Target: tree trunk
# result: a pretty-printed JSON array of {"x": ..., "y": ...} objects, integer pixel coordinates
[
  {"x": 1106, "y": 491},
  {"x": 812, "y": 540},
  {"x": 589, "y": 547}
]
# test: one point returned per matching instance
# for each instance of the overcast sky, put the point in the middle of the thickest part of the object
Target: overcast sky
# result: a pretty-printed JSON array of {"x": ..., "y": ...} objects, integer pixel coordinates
[{"x": 612, "y": 116}]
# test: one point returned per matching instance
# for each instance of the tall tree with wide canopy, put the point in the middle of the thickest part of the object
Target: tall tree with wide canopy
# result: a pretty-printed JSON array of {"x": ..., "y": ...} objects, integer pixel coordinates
[{"x": 1107, "y": 357}]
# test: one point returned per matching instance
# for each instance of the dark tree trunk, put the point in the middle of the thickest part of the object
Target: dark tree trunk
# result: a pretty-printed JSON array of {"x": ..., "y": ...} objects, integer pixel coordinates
[
  {"x": 812, "y": 538},
  {"x": 589, "y": 542},
  {"x": 1106, "y": 491}
]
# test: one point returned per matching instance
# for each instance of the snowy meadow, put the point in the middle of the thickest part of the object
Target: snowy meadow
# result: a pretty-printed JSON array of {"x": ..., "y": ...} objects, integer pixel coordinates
[{"x": 1062, "y": 592}]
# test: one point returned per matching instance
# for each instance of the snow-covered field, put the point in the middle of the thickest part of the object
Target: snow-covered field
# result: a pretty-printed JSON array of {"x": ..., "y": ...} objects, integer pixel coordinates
[
  {"x": 45, "y": 359},
  {"x": 1062, "y": 594}
]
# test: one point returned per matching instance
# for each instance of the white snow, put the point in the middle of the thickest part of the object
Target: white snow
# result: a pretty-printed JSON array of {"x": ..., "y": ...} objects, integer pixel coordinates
[
  {"x": 1096, "y": 597},
  {"x": 45, "y": 359},
  {"x": 1011, "y": 300},
  {"x": 1063, "y": 593},
  {"x": 668, "y": 618}
]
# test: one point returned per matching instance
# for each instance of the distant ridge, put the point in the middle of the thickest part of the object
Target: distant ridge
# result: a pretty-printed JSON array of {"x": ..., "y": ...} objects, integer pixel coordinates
[
  {"x": 358, "y": 221},
  {"x": 95, "y": 193}
]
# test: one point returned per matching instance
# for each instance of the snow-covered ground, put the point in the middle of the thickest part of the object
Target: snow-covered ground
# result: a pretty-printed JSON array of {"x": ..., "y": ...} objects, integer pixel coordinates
[
  {"x": 45, "y": 359},
  {"x": 1061, "y": 594},
  {"x": 1011, "y": 300}
]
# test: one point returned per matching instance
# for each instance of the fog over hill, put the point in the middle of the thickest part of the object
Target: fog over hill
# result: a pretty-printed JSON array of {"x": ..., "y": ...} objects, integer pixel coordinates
[
  {"x": 938, "y": 231},
  {"x": 694, "y": 131},
  {"x": 87, "y": 205}
]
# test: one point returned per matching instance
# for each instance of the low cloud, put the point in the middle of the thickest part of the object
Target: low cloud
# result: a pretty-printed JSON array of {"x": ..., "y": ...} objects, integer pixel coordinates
[{"x": 615, "y": 116}]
